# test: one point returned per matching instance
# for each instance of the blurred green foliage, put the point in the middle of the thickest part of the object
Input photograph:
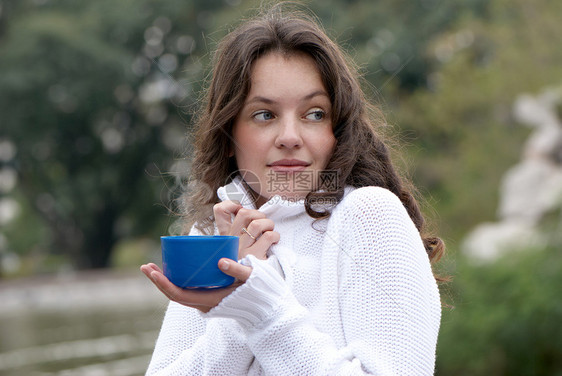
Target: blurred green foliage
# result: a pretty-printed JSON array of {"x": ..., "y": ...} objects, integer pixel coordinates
[
  {"x": 506, "y": 319},
  {"x": 94, "y": 98},
  {"x": 461, "y": 126}
]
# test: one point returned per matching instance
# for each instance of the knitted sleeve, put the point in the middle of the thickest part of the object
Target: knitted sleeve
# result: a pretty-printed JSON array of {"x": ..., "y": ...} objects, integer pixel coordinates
[{"x": 387, "y": 300}]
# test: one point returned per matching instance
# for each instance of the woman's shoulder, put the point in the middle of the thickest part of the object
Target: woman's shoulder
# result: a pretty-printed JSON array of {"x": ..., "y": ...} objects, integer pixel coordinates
[
  {"x": 369, "y": 198},
  {"x": 373, "y": 220},
  {"x": 369, "y": 206}
]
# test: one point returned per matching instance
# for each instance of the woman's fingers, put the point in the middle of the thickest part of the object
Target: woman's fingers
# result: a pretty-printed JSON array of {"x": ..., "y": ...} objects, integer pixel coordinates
[
  {"x": 163, "y": 284},
  {"x": 158, "y": 278},
  {"x": 223, "y": 212},
  {"x": 226, "y": 210},
  {"x": 255, "y": 228},
  {"x": 234, "y": 269},
  {"x": 243, "y": 219},
  {"x": 203, "y": 300},
  {"x": 150, "y": 267},
  {"x": 260, "y": 247}
]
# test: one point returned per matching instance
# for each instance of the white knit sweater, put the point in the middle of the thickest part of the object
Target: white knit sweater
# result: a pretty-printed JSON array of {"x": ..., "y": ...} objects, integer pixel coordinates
[{"x": 354, "y": 294}]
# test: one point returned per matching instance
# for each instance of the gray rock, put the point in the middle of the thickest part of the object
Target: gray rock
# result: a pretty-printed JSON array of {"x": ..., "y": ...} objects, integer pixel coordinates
[
  {"x": 488, "y": 241},
  {"x": 530, "y": 189}
]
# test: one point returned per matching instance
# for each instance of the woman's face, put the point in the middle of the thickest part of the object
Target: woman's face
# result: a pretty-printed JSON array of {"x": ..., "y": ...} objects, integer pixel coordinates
[{"x": 283, "y": 134}]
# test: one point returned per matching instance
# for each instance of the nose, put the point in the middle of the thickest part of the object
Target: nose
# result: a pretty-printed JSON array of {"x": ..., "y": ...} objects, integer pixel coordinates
[{"x": 289, "y": 135}]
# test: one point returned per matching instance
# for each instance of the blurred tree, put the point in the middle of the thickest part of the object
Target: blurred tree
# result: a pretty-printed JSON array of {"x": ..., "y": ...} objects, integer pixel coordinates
[
  {"x": 89, "y": 98},
  {"x": 389, "y": 38},
  {"x": 461, "y": 127}
]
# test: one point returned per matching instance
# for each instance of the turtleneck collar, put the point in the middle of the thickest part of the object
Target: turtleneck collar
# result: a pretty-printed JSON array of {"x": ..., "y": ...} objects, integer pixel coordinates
[{"x": 276, "y": 208}]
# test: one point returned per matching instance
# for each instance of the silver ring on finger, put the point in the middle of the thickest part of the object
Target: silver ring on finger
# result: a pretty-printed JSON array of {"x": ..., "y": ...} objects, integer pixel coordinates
[{"x": 244, "y": 229}]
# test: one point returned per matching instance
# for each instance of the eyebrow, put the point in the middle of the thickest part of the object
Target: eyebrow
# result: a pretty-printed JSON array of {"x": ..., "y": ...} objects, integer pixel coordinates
[{"x": 260, "y": 99}]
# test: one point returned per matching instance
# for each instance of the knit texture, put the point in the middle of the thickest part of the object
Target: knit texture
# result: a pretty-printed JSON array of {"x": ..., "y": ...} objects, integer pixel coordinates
[{"x": 353, "y": 294}]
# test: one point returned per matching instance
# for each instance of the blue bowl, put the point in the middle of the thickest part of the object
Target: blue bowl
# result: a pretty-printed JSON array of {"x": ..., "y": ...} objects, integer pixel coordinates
[{"x": 190, "y": 262}]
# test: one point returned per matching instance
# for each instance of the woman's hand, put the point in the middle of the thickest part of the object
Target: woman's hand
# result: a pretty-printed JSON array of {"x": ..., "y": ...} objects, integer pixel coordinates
[
  {"x": 259, "y": 234},
  {"x": 203, "y": 300}
]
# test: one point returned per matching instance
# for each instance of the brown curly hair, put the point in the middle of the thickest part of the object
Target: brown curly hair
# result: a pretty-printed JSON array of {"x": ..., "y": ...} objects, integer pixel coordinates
[{"x": 361, "y": 158}]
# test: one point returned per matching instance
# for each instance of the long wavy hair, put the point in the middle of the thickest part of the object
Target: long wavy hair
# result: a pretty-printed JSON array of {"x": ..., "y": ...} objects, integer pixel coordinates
[{"x": 361, "y": 158}]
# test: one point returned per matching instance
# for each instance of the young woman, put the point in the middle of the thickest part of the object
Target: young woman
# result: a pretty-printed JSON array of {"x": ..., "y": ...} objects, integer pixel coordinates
[{"x": 334, "y": 274}]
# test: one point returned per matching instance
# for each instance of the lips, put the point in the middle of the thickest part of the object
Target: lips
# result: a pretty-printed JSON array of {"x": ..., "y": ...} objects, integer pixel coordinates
[{"x": 289, "y": 165}]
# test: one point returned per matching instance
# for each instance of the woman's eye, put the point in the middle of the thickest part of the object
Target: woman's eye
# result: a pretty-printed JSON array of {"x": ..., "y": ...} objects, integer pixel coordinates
[
  {"x": 263, "y": 116},
  {"x": 315, "y": 115}
]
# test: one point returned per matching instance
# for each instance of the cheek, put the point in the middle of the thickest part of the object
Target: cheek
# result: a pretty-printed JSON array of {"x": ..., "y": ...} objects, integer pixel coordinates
[
  {"x": 239, "y": 141},
  {"x": 248, "y": 146},
  {"x": 325, "y": 147}
]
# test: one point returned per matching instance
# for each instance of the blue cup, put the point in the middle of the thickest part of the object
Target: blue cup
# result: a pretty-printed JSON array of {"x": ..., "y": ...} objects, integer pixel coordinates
[{"x": 190, "y": 262}]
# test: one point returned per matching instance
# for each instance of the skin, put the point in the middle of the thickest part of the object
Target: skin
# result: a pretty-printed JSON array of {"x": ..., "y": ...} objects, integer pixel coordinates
[
  {"x": 203, "y": 300},
  {"x": 286, "y": 117}
]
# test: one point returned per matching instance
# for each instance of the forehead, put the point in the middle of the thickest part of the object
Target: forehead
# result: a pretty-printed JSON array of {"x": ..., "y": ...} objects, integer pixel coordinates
[{"x": 282, "y": 73}]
